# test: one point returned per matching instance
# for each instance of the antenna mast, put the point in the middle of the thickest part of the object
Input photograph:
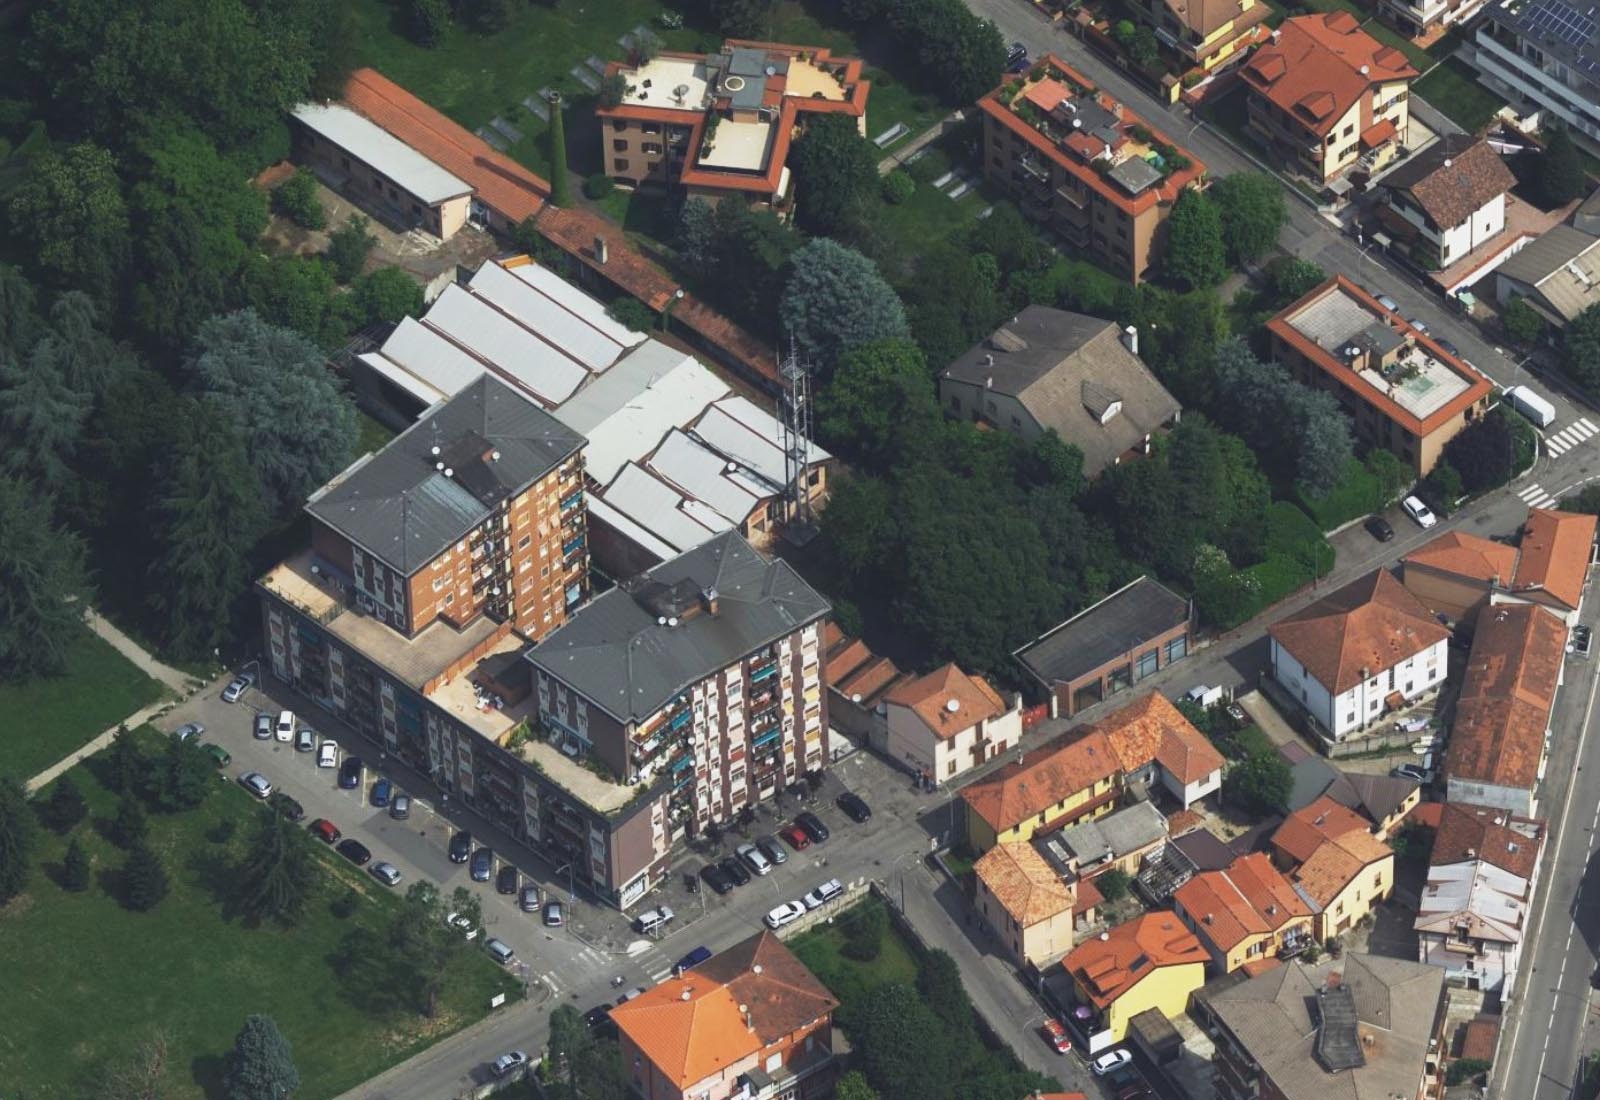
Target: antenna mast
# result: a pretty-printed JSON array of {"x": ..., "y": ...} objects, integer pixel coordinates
[{"x": 794, "y": 419}]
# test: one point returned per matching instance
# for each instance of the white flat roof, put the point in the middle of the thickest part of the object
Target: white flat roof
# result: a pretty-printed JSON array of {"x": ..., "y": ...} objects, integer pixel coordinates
[
  {"x": 635, "y": 429},
  {"x": 524, "y": 359},
  {"x": 740, "y": 145},
  {"x": 665, "y": 75},
  {"x": 375, "y": 146}
]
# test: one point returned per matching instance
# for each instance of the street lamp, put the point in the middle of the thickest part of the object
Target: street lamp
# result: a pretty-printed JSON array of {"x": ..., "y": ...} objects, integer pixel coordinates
[{"x": 666, "y": 314}]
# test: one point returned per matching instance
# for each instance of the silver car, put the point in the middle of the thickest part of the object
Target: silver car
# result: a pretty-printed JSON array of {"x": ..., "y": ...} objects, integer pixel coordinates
[
  {"x": 386, "y": 873},
  {"x": 256, "y": 783}
]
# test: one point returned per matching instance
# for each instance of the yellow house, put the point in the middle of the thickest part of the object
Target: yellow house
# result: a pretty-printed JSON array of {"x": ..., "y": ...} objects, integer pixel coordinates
[
  {"x": 1069, "y": 783},
  {"x": 1244, "y": 913},
  {"x": 1335, "y": 863},
  {"x": 1207, "y": 33},
  {"x": 1152, "y": 961},
  {"x": 1025, "y": 903}
]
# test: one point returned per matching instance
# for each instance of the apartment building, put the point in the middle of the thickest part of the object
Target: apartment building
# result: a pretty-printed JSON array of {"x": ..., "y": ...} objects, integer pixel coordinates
[
  {"x": 1048, "y": 788},
  {"x": 1025, "y": 902},
  {"x": 1447, "y": 200},
  {"x": 703, "y": 676},
  {"x": 1085, "y": 165},
  {"x": 1418, "y": 17},
  {"x": 1207, "y": 34},
  {"x": 1328, "y": 96},
  {"x": 1544, "y": 55},
  {"x": 1335, "y": 863},
  {"x": 1401, "y": 389},
  {"x": 720, "y": 125}
]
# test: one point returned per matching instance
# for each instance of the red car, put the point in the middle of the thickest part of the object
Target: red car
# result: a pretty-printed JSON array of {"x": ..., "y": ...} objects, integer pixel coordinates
[
  {"x": 326, "y": 831},
  {"x": 796, "y": 836},
  {"x": 1056, "y": 1035}
]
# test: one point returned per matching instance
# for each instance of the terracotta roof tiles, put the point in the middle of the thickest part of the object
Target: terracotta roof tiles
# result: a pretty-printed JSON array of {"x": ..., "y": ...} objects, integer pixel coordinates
[
  {"x": 1106, "y": 968},
  {"x": 1303, "y": 831},
  {"x": 931, "y": 697},
  {"x": 1022, "y": 789},
  {"x": 1151, "y": 728},
  {"x": 1248, "y": 898},
  {"x": 1452, "y": 179},
  {"x": 1319, "y": 66},
  {"x": 1356, "y": 632},
  {"x": 1026, "y": 886},
  {"x": 1465, "y": 555},
  {"x": 1554, "y": 554},
  {"x": 1466, "y": 832},
  {"x": 1335, "y": 864},
  {"x": 1506, "y": 695}
]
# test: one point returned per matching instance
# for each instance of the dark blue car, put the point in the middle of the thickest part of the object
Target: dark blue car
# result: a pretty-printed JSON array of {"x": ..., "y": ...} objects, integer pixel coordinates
[
  {"x": 380, "y": 792},
  {"x": 350, "y": 773}
]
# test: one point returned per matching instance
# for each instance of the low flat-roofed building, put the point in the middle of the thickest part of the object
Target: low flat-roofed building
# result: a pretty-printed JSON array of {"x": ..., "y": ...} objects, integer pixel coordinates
[
  {"x": 1118, "y": 841},
  {"x": 1108, "y": 647},
  {"x": 1026, "y": 902},
  {"x": 1401, "y": 389}
]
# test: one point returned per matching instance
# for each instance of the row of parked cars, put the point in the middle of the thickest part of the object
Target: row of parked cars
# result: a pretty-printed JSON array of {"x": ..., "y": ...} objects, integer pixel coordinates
[{"x": 765, "y": 853}]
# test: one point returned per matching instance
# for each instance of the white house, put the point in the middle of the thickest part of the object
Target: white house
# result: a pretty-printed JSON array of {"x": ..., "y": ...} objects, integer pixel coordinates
[
  {"x": 946, "y": 722},
  {"x": 1364, "y": 649},
  {"x": 1448, "y": 199}
]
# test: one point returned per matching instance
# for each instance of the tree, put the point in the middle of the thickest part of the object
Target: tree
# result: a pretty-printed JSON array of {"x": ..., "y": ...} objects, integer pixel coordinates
[
  {"x": 261, "y": 1064},
  {"x": 898, "y": 187},
  {"x": 144, "y": 880},
  {"x": 44, "y": 585},
  {"x": 560, "y": 185},
  {"x": 1520, "y": 321},
  {"x": 1392, "y": 475},
  {"x": 427, "y": 21},
  {"x": 296, "y": 199},
  {"x": 1259, "y": 784},
  {"x": 290, "y": 290},
  {"x": 1223, "y": 596},
  {"x": 19, "y": 319},
  {"x": 278, "y": 877},
  {"x": 207, "y": 519},
  {"x": 749, "y": 263},
  {"x": 297, "y": 424},
  {"x": 632, "y": 313},
  {"x": 184, "y": 776},
  {"x": 125, "y": 764},
  {"x": 65, "y": 807},
  {"x": 1290, "y": 277},
  {"x": 75, "y": 870},
  {"x": 418, "y": 945},
  {"x": 1488, "y": 452},
  {"x": 1250, "y": 205},
  {"x": 388, "y": 295},
  {"x": 835, "y": 302},
  {"x": 895, "y": 1045},
  {"x": 1580, "y": 351},
  {"x": 646, "y": 46},
  {"x": 142, "y": 1075},
  {"x": 1326, "y": 446},
  {"x": 964, "y": 54},
  {"x": 697, "y": 235},
  {"x": 18, "y": 835},
  {"x": 41, "y": 419},
  {"x": 864, "y": 929},
  {"x": 487, "y": 16},
  {"x": 70, "y": 212},
  {"x": 1113, "y": 884},
  {"x": 742, "y": 18},
  {"x": 835, "y": 172},
  {"x": 943, "y": 990},
  {"x": 130, "y": 826},
  {"x": 1558, "y": 172},
  {"x": 864, "y": 404},
  {"x": 1196, "y": 254},
  {"x": 348, "y": 247},
  {"x": 1442, "y": 488}
]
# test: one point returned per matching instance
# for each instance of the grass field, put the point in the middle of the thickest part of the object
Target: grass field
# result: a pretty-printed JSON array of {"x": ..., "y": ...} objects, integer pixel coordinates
[
  {"x": 821, "y": 949},
  {"x": 1452, "y": 88},
  {"x": 47, "y": 719},
  {"x": 86, "y": 981}
]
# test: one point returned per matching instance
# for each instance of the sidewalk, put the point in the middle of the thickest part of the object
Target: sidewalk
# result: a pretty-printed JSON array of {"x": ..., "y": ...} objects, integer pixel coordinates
[{"x": 927, "y": 137}]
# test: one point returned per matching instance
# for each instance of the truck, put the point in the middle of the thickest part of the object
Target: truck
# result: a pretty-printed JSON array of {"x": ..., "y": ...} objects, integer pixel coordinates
[{"x": 1531, "y": 405}]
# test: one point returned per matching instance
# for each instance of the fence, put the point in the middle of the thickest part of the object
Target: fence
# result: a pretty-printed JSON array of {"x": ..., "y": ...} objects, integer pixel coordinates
[{"x": 853, "y": 892}]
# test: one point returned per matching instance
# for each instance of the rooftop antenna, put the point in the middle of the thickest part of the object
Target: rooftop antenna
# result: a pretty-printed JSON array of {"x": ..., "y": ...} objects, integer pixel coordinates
[{"x": 794, "y": 425}]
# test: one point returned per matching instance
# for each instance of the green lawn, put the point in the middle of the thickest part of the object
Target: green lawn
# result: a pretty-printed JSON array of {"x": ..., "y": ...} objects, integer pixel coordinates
[
  {"x": 1452, "y": 88},
  {"x": 50, "y": 718},
  {"x": 86, "y": 981},
  {"x": 849, "y": 979}
]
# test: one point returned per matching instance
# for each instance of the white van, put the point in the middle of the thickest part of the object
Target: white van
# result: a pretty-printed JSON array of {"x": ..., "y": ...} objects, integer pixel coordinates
[
  {"x": 1531, "y": 405},
  {"x": 652, "y": 919}
]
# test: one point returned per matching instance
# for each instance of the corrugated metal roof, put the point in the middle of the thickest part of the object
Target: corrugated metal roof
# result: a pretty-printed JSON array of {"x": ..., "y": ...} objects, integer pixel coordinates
[
  {"x": 567, "y": 332},
  {"x": 563, "y": 293},
  {"x": 626, "y": 417},
  {"x": 375, "y": 146},
  {"x": 411, "y": 383},
  {"x": 658, "y": 507},
  {"x": 430, "y": 357},
  {"x": 703, "y": 475},
  {"x": 532, "y": 363}
]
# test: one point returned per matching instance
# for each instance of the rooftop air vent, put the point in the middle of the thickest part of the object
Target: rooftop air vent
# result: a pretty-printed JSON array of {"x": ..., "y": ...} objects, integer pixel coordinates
[
  {"x": 733, "y": 83},
  {"x": 952, "y": 705}
]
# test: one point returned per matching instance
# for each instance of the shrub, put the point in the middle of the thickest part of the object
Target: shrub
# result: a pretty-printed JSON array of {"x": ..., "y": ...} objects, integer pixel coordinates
[
  {"x": 296, "y": 199},
  {"x": 348, "y": 247},
  {"x": 598, "y": 186},
  {"x": 633, "y": 313},
  {"x": 898, "y": 187},
  {"x": 1464, "y": 1069},
  {"x": 1113, "y": 884}
]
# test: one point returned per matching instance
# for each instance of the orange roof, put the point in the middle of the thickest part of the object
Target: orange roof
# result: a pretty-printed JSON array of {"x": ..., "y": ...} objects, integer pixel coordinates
[
  {"x": 1303, "y": 831},
  {"x": 1375, "y": 135},
  {"x": 1477, "y": 385},
  {"x": 502, "y": 184},
  {"x": 1025, "y": 885},
  {"x": 1047, "y": 95},
  {"x": 1425, "y": 814},
  {"x": 1108, "y": 966},
  {"x": 1554, "y": 554},
  {"x": 1506, "y": 695},
  {"x": 870, "y": 680},
  {"x": 1024, "y": 788},
  {"x": 1336, "y": 863},
  {"x": 1484, "y": 832},
  {"x": 1319, "y": 66},
  {"x": 949, "y": 701},
  {"x": 1356, "y": 632},
  {"x": 1259, "y": 966},
  {"x": 1089, "y": 896},
  {"x": 1248, "y": 898},
  {"x": 1152, "y": 728},
  {"x": 1063, "y": 76},
  {"x": 1465, "y": 555},
  {"x": 691, "y": 1028}
]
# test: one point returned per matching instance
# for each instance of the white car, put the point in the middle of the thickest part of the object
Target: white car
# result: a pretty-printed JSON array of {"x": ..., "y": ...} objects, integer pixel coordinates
[
  {"x": 1110, "y": 1060},
  {"x": 328, "y": 754},
  {"x": 787, "y": 913},
  {"x": 463, "y": 924},
  {"x": 257, "y": 784},
  {"x": 1419, "y": 512},
  {"x": 189, "y": 730},
  {"x": 507, "y": 1062},
  {"x": 237, "y": 687},
  {"x": 285, "y": 727},
  {"x": 823, "y": 894}
]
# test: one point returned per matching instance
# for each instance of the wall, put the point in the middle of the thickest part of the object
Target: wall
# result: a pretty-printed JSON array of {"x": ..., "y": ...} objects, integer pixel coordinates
[
  {"x": 1166, "y": 988},
  {"x": 1363, "y": 704},
  {"x": 1518, "y": 801},
  {"x": 969, "y": 402},
  {"x": 1301, "y": 685},
  {"x": 1372, "y": 885},
  {"x": 1188, "y": 794},
  {"x": 362, "y": 184},
  {"x": 1493, "y": 964},
  {"x": 1080, "y": 805}
]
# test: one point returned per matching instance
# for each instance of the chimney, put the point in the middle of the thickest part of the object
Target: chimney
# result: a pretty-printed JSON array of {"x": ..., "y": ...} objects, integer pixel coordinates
[
  {"x": 988, "y": 359},
  {"x": 744, "y": 1010},
  {"x": 1130, "y": 339},
  {"x": 709, "y": 598},
  {"x": 1447, "y": 162},
  {"x": 602, "y": 251},
  {"x": 1472, "y": 853},
  {"x": 1207, "y": 918}
]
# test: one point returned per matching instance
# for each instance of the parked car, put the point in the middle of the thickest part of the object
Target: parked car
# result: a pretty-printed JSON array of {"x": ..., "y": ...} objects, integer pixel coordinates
[
  {"x": 1388, "y": 303},
  {"x": 400, "y": 806},
  {"x": 1413, "y": 772},
  {"x": 386, "y": 873},
  {"x": 463, "y": 924},
  {"x": 734, "y": 870},
  {"x": 257, "y": 784},
  {"x": 237, "y": 687},
  {"x": 652, "y": 920},
  {"x": 1448, "y": 346},
  {"x": 263, "y": 727},
  {"x": 691, "y": 882},
  {"x": 528, "y": 899},
  {"x": 482, "y": 864},
  {"x": 219, "y": 754},
  {"x": 1056, "y": 1035},
  {"x": 381, "y": 790},
  {"x": 284, "y": 728},
  {"x": 555, "y": 914},
  {"x": 287, "y": 806},
  {"x": 328, "y": 754},
  {"x": 188, "y": 730},
  {"x": 823, "y": 894},
  {"x": 1420, "y": 326},
  {"x": 787, "y": 913},
  {"x": 1581, "y": 642},
  {"x": 326, "y": 831},
  {"x": 350, "y": 773},
  {"x": 1236, "y": 715},
  {"x": 772, "y": 849},
  {"x": 355, "y": 851},
  {"x": 507, "y": 881},
  {"x": 812, "y": 825},
  {"x": 1380, "y": 528},
  {"x": 305, "y": 739},
  {"x": 461, "y": 847},
  {"x": 1110, "y": 1060},
  {"x": 692, "y": 960},
  {"x": 753, "y": 859},
  {"x": 855, "y": 807},
  {"x": 636, "y": 991},
  {"x": 598, "y": 1016},
  {"x": 1136, "y": 1091},
  {"x": 508, "y": 1062},
  {"x": 499, "y": 951},
  {"x": 715, "y": 879},
  {"x": 1419, "y": 512},
  {"x": 796, "y": 836}
]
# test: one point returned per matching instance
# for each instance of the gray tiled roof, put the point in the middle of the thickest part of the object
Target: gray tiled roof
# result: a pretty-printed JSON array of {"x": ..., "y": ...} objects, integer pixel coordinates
[
  {"x": 399, "y": 506},
  {"x": 618, "y": 655}
]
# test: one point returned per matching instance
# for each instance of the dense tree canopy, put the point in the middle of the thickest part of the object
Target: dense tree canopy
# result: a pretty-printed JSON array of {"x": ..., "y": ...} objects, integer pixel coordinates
[
  {"x": 1285, "y": 421},
  {"x": 835, "y": 174},
  {"x": 835, "y": 302},
  {"x": 70, "y": 213},
  {"x": 1558, "y": 171},
  {"x": 861, "y": 407},
  {"x": 1250, "y": 205},
  {"x": 1580, "y": 353},
  {"x": 1196, "y": 253},
  {"x": 44, "y": 585},
  {"x": 18, "y": 835}
]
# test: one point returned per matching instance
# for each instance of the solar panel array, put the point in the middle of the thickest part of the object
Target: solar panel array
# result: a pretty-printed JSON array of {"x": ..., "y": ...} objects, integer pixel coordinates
[{"x": 1555, "y": 21}]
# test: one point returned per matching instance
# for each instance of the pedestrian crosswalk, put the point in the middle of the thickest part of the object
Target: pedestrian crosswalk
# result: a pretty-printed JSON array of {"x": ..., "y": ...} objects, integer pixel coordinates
[
  {"x": 1535, "y": 497},
  {"x": 1558, "y": 443}
]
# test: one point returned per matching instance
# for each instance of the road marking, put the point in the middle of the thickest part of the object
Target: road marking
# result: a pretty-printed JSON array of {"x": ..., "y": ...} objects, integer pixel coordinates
[
  {"x": 550, "y": 980},
  {"x": 1534, "y": 496},
  {"x": 1584, "y": 420},
  {"x": 661, "y": 975}
]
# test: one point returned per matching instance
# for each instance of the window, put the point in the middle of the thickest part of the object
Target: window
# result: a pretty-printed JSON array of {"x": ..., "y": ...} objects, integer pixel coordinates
[
  {"x": 1177, "y": 649},
  {"x": 619, "y": 164},
  {"x": 522, "y": 543},
  {"x": 652, "y": 148},
  {"x": 950, "y": 768},
  {"x": 1148, "y": 663},
  {"x": 619, "y": 146},
  {"x": 619, "y": 124}
]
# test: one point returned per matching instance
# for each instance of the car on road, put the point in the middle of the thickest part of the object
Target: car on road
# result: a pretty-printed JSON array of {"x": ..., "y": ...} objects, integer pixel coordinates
[
  {"x": 463, "y": 924},
  {"x": 508, "y": 1062},
  {"x": 787, "y": 913},
  {"x": 219, "y": 754},
  {"x": 796, "y": 836},
  {"x": 328, "y": 754},
  {"x": 636, "y": 991},
  {"x": 381, "y": 791},
  {"x": 1448, "y": 346},
  {"x": 823, "y": 894},
  {"x": 772, "y": 849},
  {"x": 400, "y": 806},
  {"x": 652, "y": 920},
  {"x": 555, "y": 914},
  {"x": 1055, "y": 1035},
  {"x": 1388, "y": 303},
  {"x": 386, "y": 873},
  {"x": 284, "y": 727},
  {"x": 499, "y": 951},
  {"x": 189, "y": 730},
  {"x": 715, "y": 879},
  {"x": 326, "y": 831},
  {"x": 1581, "y": 642},
  {"x": 812, "y": 825},
  {"x": 263, "y": 727},
  {"x": 355, "y": 851},
  {"x": 1016, "y": 58},
  {"x": 598, "y": 1016},
  {"x": 753, "y": 859},
  {"x": 1110, "y": 1060},
  {"x": 1419, "y": 512},
  {"x": 1380, "y": 528},
  {"x": 305, "y": 739},
  {"x": 855, "y": 807},
  {"x": 350, "y": 773},
  {"x": 1420, "y": 326},
  {"x": 287, "y": 806},
  {"x": 257, "y": 784},
  {"x": 507, "y": 881},
  {"x": 1414, "y": 772},
  {"x": 482, "y": 864},
  {"x": 237, "y": 687},
  {"x": 461, "y": 847},
  {"x": 1136, "y": 1091},
  {"x": 691, "y": 960},
  {"x": 734, "y": 870}
]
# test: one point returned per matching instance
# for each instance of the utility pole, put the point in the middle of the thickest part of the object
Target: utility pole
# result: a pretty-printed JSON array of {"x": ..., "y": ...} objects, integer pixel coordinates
[{"x": 794, "y": 423}]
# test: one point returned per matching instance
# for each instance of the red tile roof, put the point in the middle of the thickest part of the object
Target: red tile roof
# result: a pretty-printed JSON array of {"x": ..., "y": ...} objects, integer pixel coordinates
[
  {"x": 1378, "y": 133},
  {"x": 502, "y": 184},
  {"x": 1151, "y": 728},
  {"x": 1356, "y": 632},
  {"x": 1249, "y": 898},
  {"x": 1107, "y": 967},
  {"x": 1319, "y": 66},
  {"x": 1497, "y": 837},
  {"x": 949, "y": 701},
  {"x": 1554, "y": 554},
  {"x": 1024, "y": 885},
  {"x": 1465, "y": 555},
  {"x": 1506, "y": 695},
  {"x": 1025, "y": 788}
]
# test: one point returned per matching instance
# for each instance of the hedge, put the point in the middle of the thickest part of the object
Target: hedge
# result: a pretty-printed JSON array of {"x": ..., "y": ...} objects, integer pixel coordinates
[{"x": 1357, "y": 494}]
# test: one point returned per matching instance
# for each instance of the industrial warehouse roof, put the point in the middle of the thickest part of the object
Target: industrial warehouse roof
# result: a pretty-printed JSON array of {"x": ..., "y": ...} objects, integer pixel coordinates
[
  {"x": 637, "y": 646},
  {"x": 376, "y": 147},
  {"x": 441, "y": 477}
]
